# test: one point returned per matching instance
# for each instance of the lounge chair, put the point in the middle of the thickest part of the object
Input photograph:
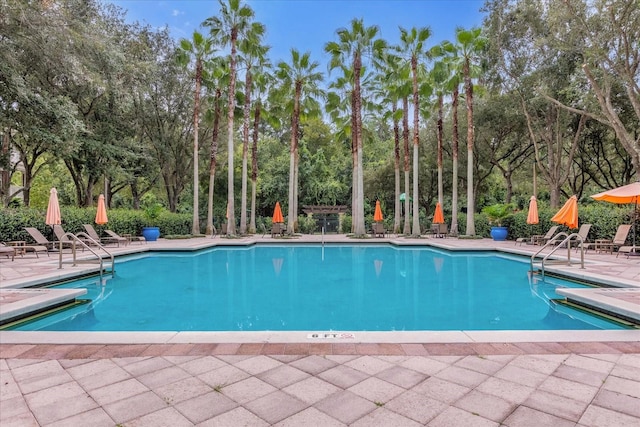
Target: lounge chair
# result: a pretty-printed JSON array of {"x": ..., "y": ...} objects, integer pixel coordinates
[
  {"x": 378, "y": 230},
  {"x": 618, "y": 241},
  {"x": 540, "y": 239},
  {"x": 277, "y": 229},
  {"x": 7, "y": 251},
  {"x": 583, "y": 232},
  {"x": 66, "y": 241},
  {"x": 39, "y": 238},
  {"x": 127, "y": 238},
  {"x": 102, "y": 240}
]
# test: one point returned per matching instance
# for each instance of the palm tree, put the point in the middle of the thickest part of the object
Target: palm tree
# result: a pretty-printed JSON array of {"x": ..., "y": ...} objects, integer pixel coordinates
[
  {"x": 300, "y": 79},
  {"x": 252, "y": 55},
  {"x": 199, "y": 48},
  {"x": 352, "y": 46},
  {"x": 233, "y": 24},
  {"x": 218, "y": 74},
  {"x": 470, "y": 45},
  {"x": 412, "y": 43}
]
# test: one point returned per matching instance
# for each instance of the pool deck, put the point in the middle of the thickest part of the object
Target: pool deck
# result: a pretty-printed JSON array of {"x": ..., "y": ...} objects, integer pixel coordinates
[{"x": 475, "y": 378}]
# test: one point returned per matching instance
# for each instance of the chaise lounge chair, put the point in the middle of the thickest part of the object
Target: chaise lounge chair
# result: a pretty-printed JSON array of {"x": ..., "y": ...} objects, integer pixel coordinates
[
  {"x": 618, "y": 241},
  {"x": 39, "y": 238},
  {"x": 539, "y": 239},
  {"x": 126, "y": 238},
  {"x": 103, "y": 240},
  {"x": 378, "y": 230},
  {"x": 7, "y": 251}
]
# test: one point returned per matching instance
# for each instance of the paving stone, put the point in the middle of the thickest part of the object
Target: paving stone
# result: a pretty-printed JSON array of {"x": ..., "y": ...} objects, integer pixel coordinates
[
  {"x": 368, "y": 364},
  {"x": 441, "y": 390},
  {"x": 238, "y": 417},
  {"x": 283, "y": 376},
  {"x": 182, "y": 390},
  {"x": 507, "y": 390},
  {"x": 596, "y": 416},
  {"x": 103, "y": 378},
  {"x": 416, "y": 406},
  {"x": 275, "y": 406},
  {"x": 54, "y": 394},
  {"x": 205, "y": 407},
  {"x": 632, "y": 360},
  {"x": 247, "y": 390},
  {"x": 589, "y": 363},
  {"x": 425, "y": 365},
  {"x": 22, "y": 420},
  {"x": 486, "y": 405},
  {"x": 118, "y": 391},
  {"x": 223, "y": 376},
  {"x": 167, "y": 417},
  {"x": 44, "y": 382},
  {"x": 309, "y": 417},
  {"x": 163, "y": 377},
  {"x": 311, "y": 390},
  {"x": 554, "y": 404},
  {"x": 627, "y": 372},
  {"x": 570, "y": 389},
  {"x": 402, "y": 377},
  {"x": 34, "y": 370},
  {"x": 461, "y": 376},
  {"x": 618, "y": 402},
  {"x": 457, "y": 417},
  {"x": 527, "y": 417},
  {"x": 376, "y": 390},
  {"x": 480, "y": 364},
  {"x": 522, "y": 376},
  {"x": 313, "y": 364},
  {"x": 200, "y": 365},
  {"x": 258, "y": 364},
  {"x": 94, "y": 418},
  {"x": 145, "y": 366},
  {"x": 63, "y": 408},
  {"x": 384, "y": 417},
  {"x": 91, "y": 367},
  {"x": 623, "y": 386},
  {"x": 345, "y": 406},
  {"x": 10, "y": 388},
  {"x": 343, "y": 376},
  {"x": 341, "y": 358},
  {"x": 580, "y": 375},
  {"x": 134, "y": 407}
]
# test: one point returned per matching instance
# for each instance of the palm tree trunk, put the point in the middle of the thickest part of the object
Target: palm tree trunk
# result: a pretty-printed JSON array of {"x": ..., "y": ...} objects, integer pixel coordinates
[
  {"x": 213, "y": 158},
  {"x": 292, "y": 160},
  {"x": 359, "y": 227},
  {"x": 454, "y": 156},
  {"x": 416, "y": 145},
  {"x": 245, "y": 152},
  {"x": 439, "y": 161},
  {"x": 254, "y": 166},
  {"x": 405, "y": 137},
  {"x": 231, "y": 222},
  {"x": 396, "y": 170},
  {"x": 471, "y": 225},
  {"x": 195, "y": 228}
]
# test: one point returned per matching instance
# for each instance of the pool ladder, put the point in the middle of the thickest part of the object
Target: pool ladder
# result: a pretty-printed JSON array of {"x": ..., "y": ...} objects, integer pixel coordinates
[
  {"x": 80, "y": 239},
  {"x": 557, "y": 243}
]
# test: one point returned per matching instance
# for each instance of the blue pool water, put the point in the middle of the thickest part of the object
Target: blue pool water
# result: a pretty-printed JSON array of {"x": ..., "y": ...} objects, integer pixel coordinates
[{"x": 315, "y": 288}]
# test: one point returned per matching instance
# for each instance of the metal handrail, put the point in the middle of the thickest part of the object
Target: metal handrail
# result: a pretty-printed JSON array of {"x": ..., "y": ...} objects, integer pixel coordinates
[
  {"x": 75, "y": 238},
  {"x": 567, "y": 240}
]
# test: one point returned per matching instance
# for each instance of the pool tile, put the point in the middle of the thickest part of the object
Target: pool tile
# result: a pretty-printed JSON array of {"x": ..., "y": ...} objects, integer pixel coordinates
[
  {"x": 344, "y": 348},
  {"x": 225, "y": 349},
  {"x": 275, "y": 406},
  {"x": 296, "y": 348},
  {"x": 83, "y": 351},
  {"x": 414, "y": 349},
  {"x": 457, "y": 417},
  {"x": 527, "y": 417},
  {"x": 486, "y": 405},
  {"x": 625, "y": 347},
  {"x": 384, "y": 417},
  {"x": 48, "y": 351},
  {"x": 391, "y": 349},
  {"x": 320, "y": 348},
  {"x": 123, "y": 350},
  {"x": 345, "y": 406},
  {"x": 416, "y": 406},
  {"x": 507, "y": 348},
  {"x": 368, "y": 349}
]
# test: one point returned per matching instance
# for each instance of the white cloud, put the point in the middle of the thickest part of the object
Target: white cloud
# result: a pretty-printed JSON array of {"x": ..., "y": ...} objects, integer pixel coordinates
[{"x": 176, "y": 12}]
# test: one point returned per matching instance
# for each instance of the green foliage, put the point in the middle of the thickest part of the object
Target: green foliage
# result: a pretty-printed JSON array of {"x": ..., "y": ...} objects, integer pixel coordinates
[
  {"x": 345, "y": 225},
  {"x": 498, "y": 212},
  {"x": 306, "y": 224}
]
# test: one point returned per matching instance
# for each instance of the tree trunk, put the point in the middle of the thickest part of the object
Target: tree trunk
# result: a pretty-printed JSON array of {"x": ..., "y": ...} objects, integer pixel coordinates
[
  {"x": 454, "y": 157},
  {"x": 213, "y": 159},
  {"x": 254, "y": 166},
  {"x": 195, "y": 228},
  {"x": 416, "y": 146},
  {"x": 359, "y": 226},
  {"x": 293, "y": 176},
  {"x": 439, "y": 161},
  {"x": 405, "y": 137},
  {"x": 471, "y": 224},
  {"x": 396, "y": 172},
  {"x": 231, "y": 220},
  {"x": 245, "y": 152}
]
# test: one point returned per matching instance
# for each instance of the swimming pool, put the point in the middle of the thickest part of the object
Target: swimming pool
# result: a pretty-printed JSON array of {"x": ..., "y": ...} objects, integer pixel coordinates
[{"x": 320, "y": 288}]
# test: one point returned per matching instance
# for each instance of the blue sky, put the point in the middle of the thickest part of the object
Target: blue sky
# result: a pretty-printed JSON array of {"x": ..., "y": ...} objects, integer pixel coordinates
[{"x": 308, "y": 24}]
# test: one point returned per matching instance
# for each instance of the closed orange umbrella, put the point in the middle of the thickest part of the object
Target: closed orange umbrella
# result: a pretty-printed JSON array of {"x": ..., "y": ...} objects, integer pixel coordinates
[
  {"x": 53, "y": 209},
  {"x": 101, "y": 213},
  {"x": 277, "y": 214},
  {"x": 377, "y": 215},
  {"x": 568, "y": 214},
  {"x": 532, "y": 215},
  {"x": 438, "y": 216}
]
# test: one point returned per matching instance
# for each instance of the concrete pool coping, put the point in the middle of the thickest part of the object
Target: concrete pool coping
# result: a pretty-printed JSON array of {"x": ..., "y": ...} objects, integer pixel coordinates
[{"x": 610, "y": 270}]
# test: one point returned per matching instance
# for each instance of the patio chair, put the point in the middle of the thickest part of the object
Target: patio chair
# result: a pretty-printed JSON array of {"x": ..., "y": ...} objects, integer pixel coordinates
[
  {"x": 7, "y": 251},
  {"x": 612, "y": 245},
  {"x": 103, "y": 240},
  {"x": 61, "y": 235},
  {"x": 128, "y": 238},
  {"x": 540, "y": 239},
  {"x": 39, "y": 238},
  {"x": 583, "y": 232},
  {"x": 378, "y": 230},
  {"x": 277, "y": 229}
]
